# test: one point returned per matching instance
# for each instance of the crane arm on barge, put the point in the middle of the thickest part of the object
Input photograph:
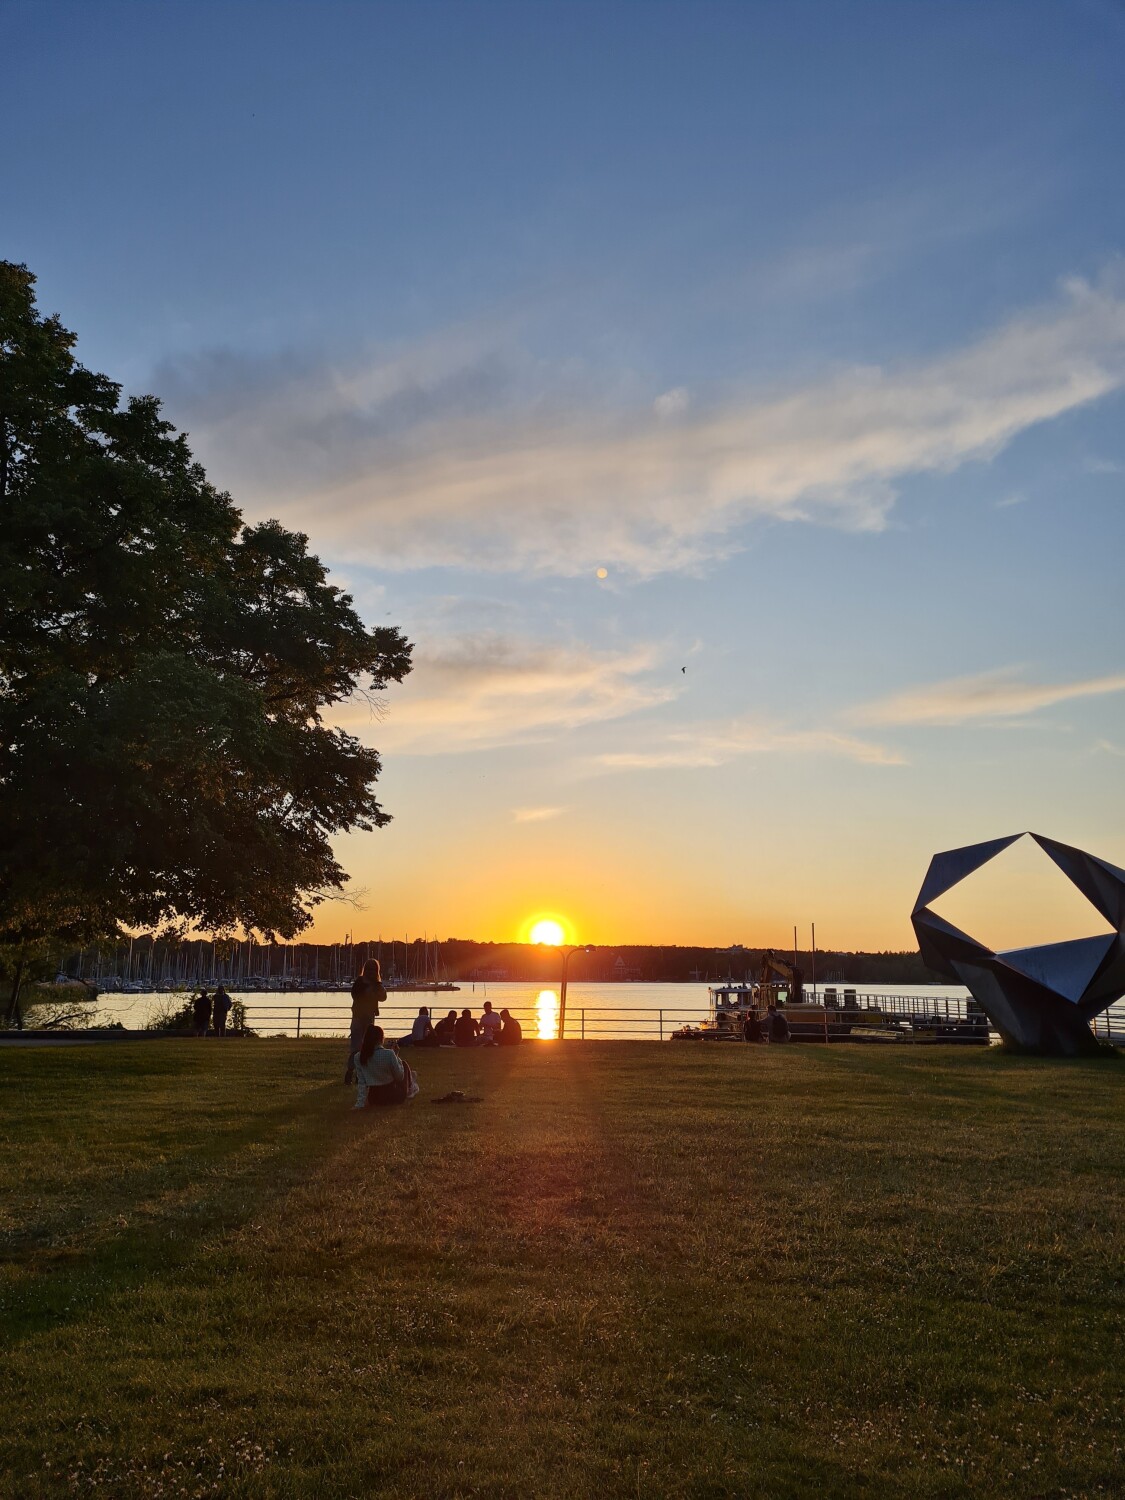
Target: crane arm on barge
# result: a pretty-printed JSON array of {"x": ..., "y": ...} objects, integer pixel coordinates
[{"x": 774, "y": 968}]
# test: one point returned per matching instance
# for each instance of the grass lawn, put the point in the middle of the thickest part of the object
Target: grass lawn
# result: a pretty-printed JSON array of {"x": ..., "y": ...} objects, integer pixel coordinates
[{"x": 632, "y": 1270}]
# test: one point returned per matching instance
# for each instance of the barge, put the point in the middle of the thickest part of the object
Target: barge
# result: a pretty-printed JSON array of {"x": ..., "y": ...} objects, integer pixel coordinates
[{"x": 841, "y": 1015}]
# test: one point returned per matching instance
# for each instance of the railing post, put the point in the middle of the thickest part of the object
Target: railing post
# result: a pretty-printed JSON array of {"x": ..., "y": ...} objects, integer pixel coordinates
[
  {"x": 661, "y": 1025},
  {"x": 298, "y": 1020},
  {"x": 583, "y": 1025}
]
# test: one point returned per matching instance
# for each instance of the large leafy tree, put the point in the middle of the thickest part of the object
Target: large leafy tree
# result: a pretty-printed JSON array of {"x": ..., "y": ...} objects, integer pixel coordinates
[{"x": 163, "y": 672}]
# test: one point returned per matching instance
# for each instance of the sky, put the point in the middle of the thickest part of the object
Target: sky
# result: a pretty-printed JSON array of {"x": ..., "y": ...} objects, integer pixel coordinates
[{"x": 727, "y": 400}]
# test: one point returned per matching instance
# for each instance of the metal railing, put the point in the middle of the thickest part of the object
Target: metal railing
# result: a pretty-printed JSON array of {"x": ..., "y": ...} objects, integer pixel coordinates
[
  {"x": 309, "y": 1016},
  {"x": 305, "y": 1016}
]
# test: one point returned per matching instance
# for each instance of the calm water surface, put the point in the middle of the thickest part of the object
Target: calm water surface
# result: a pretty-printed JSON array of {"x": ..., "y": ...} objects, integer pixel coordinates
[{"x": 641, "y": 1011}]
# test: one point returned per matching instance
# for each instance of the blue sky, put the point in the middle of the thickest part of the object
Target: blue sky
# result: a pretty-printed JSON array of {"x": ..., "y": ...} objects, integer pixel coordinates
[{"x": 806, "y": 323}]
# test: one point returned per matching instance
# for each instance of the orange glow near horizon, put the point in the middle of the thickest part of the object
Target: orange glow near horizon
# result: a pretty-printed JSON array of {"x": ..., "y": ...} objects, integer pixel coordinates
[{"x": 671, "y": 885}]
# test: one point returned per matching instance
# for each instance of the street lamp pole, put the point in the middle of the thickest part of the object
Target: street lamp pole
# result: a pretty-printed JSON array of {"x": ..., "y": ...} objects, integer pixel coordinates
[{"x": 562, "y": 989}]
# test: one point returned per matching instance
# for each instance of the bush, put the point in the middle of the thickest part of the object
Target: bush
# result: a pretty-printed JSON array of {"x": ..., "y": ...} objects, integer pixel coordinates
[
  {"x": 55, "y": 1015},
  {"x": 172, "y": 1017},
  {"x": 237, "y": 1023},
  {"x": 178, "y": 1019}
]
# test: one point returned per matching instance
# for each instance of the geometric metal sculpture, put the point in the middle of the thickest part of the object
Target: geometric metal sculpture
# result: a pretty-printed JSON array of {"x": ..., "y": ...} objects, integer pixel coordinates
[{"x": 1040, "y": 999}]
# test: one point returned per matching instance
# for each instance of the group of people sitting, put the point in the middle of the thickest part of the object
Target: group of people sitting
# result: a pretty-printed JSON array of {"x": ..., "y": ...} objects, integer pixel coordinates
[
  {"x": 381, "y": 1076},
  {"x": 494, "y": 1029},
  {"x": 774, "y": 1028}
]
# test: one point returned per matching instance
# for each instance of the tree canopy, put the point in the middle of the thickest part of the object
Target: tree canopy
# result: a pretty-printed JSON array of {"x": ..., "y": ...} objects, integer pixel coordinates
[{"x": 163, "y": 672}]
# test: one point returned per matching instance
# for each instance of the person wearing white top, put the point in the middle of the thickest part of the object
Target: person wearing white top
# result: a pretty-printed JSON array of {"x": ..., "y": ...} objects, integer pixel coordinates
[
  {"x": 490, "y": 1026},
  {"x": 422, "y": 1030}
]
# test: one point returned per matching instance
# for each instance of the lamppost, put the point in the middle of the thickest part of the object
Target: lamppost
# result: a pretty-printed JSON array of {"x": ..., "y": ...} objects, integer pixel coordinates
[{"x": 588, "y": 948}]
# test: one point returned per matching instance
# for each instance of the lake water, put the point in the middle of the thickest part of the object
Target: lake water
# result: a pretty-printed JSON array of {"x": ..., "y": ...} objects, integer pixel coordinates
[{"x": 607, "y": 1011}]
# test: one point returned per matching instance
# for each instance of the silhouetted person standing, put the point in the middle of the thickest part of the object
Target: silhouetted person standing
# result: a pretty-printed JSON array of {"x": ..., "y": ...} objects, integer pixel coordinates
[
  {"x": 367, "y": 995},
  {"x": 201, "y": 1013},
  {"x": 220, "y": 1010}
]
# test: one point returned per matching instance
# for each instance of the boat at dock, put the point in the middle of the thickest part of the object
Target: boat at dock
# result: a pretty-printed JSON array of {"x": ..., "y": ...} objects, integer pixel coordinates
[{"x": 843, "y": 1014}]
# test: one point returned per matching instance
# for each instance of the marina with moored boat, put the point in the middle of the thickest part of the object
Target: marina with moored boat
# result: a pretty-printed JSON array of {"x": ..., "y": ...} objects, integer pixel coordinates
[{"x": 843, "y": 1014}]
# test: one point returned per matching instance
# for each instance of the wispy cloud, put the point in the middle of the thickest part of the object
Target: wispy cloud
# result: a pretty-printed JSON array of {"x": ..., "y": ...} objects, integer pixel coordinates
[
  {"x": 672, "y": 403},
  {"x": 987, "y": 695},
  {"x": 708, "y": 745},
  {"x": 466, "y": 454},
  {"x": 535, "y": 814},
  {"x": 480, "y": 691},
  {"x": 849, "y": 242}
]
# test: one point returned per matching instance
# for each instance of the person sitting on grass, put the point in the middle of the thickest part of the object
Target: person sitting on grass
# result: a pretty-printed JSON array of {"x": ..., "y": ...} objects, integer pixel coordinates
[
  {"x": 512, "y": 1032},
  {"x": 421, "y": 1032},
  {"x": 444, "y": 1031},
  {"x": 752, "y": 1027},
  {"x": 381, "y": 1075},
  {"x": 777, "y": 1028},
  {"x": 465, "y": 1031},
  {"x": 489, "y": 1026}
]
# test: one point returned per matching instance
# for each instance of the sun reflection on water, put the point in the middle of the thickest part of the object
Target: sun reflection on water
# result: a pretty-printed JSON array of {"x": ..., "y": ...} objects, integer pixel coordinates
[{"x": 547, "y": 1015}]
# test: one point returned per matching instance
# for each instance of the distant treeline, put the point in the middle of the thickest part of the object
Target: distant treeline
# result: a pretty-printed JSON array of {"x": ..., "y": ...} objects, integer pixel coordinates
[{"x": 465, "y": 960}]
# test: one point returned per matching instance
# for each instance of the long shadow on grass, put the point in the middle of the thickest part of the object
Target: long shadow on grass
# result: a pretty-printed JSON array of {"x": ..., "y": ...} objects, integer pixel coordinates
[{"x": 64, "y": 1285}]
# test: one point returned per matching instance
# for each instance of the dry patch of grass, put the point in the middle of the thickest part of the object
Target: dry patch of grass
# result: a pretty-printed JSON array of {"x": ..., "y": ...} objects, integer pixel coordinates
[{"x": 632, "y": 1270}]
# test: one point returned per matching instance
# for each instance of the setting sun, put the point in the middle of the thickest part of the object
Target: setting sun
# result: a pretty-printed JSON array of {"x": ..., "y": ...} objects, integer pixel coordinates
[{"x": 549, "y": 932}]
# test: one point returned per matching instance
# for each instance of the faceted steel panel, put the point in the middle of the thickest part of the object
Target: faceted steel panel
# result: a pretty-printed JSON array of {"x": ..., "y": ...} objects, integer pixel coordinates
[{"x": 1041, "y": 999}]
